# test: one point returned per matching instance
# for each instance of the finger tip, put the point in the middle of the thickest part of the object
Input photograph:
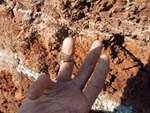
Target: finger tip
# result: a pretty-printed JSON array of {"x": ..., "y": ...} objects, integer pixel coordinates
[
  {"x": 68, "y": 46},
  {"x": 69, "y": 40},
  {"x": 104, "y": 57},
  {"x": 97, "y": 44},
  {"x": 31, "y": 95}
]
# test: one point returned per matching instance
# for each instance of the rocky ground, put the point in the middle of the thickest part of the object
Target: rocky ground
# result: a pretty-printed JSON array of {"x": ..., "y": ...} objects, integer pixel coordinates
[{"x": 31, "y": 35}]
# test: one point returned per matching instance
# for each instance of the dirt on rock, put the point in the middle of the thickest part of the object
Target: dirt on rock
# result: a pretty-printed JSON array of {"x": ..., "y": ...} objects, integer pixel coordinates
[{"x": 32, "y": 32}]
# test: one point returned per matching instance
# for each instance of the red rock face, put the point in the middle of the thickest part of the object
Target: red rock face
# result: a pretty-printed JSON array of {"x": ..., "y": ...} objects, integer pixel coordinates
[{"x": 33, "y": 32}]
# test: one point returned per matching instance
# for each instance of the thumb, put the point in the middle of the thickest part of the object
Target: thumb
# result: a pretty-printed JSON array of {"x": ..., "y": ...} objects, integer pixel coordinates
[{"x": 38, "y": 87}]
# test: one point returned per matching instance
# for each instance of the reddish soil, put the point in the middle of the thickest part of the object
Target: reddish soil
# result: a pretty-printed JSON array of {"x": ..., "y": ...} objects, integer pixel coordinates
[{"x": 35, "y": 31}]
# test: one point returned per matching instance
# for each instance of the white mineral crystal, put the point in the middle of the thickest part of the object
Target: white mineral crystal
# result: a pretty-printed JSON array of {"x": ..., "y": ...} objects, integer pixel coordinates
[{"x": 107, "y": 105}]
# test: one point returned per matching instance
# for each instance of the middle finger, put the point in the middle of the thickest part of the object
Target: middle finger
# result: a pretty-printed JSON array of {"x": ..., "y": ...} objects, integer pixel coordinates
[{"x": 88, "y": 66}]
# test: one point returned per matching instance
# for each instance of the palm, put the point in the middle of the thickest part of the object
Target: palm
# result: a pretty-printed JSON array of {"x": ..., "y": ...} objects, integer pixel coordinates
[
  {"x": 65, "y": 98},
  {"x": 68, "y": 95}
]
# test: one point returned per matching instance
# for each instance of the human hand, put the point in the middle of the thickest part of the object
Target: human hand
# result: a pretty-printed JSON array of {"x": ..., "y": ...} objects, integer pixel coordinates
[{"x": 69, "y": 95}]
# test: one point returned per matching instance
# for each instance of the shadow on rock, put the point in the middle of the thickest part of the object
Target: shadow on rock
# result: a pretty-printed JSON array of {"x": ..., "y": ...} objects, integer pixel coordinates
[{"x": 137, "y": 91}]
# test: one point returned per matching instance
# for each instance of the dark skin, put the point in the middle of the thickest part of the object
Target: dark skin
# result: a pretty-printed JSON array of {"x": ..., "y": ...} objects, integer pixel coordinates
[{"x": 69, "y": 95}]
